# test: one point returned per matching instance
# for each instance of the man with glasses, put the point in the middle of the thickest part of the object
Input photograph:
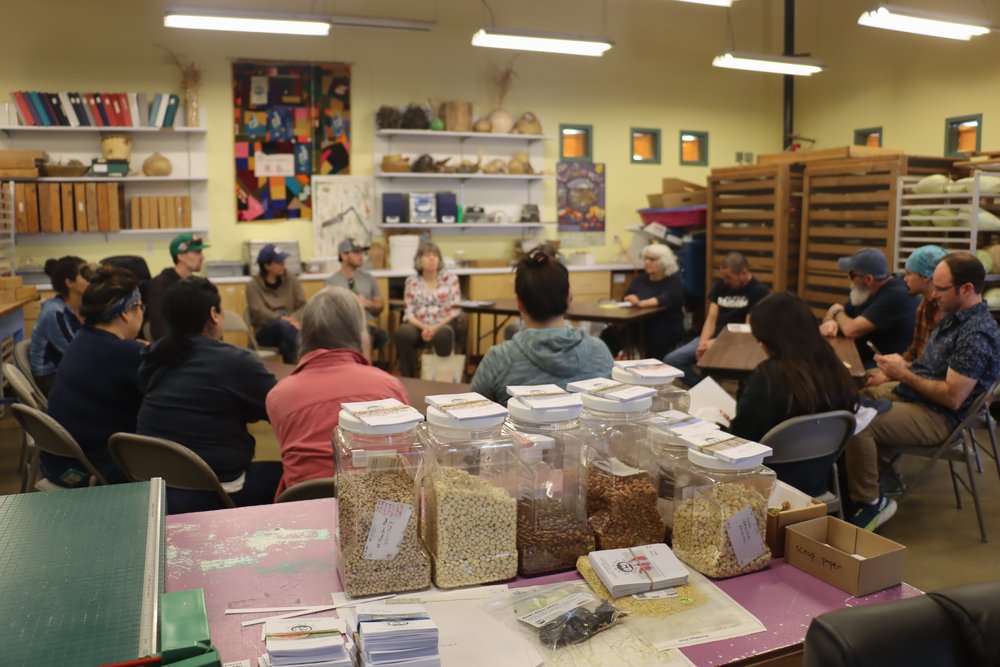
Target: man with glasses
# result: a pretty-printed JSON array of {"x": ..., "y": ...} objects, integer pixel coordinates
[
  {"x": 352, "y": 277},
  {"x": 186, "y": 251},
  {"x": 879, "y": 310},
  {"x": 960, "y": 361}
]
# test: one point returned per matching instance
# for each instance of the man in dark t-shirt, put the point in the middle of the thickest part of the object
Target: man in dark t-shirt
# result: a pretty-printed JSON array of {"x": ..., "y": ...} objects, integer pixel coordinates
[
  {"x": 730, "y": 302},
  {"x": 880, "y": 310}
]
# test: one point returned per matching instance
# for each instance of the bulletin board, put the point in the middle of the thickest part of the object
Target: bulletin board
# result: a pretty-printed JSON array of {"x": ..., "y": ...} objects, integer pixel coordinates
[{"x": 291, "y": 120}]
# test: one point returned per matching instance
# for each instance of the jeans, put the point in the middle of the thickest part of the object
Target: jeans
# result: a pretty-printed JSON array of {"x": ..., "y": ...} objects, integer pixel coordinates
[
  {"x": 683, "y": 358},
  {"x": 282, "y": 335},
  {"x": 259, "y": 487}
]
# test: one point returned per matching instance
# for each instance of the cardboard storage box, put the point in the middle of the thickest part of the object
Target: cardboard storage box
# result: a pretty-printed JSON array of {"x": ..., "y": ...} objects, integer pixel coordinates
[
  {"x": 801, "y": 508},
  {"x": 678, "y": 193},
  {"x": 845, "y": 556}
]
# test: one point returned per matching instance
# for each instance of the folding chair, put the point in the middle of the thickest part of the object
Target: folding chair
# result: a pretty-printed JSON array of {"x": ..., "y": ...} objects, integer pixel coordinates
[
  {"x": 24, "y": 365},
  {"x": 958, "y": 447},
  {"x": 28, "y": 463},
  {"x": 50, "y": 437},
  {"x": 260, "y": 352},
  {"x": 810, "y": 437},
  {"x": 322, "y": 487},
  {"x": 143, "y": 457}
]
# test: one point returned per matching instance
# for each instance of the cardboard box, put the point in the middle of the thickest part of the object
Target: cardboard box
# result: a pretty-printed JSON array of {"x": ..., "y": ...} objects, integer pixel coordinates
[
  {"x": 845, "y": 556},
  {"x": 678, "y": 193},
  {"x": 11, "y": 282},
  {"x": 26, "y": 291},
  {"x": 801, "y": 508},
  {"x": 8, "y": 295},
  {"x": 32, "y": 310}
]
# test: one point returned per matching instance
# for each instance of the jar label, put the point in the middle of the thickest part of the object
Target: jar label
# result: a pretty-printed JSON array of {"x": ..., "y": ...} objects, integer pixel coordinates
[
  {"x": 744, "y": 534},
  {"x": 388, "y": 524},
  {"x": 656, "y": 595}
]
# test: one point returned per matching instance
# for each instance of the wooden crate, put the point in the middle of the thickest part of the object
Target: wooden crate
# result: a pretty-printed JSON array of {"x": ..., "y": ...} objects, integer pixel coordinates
[
  {"x": 847, "y": 205},
  {"x": 757, "y": 211}
]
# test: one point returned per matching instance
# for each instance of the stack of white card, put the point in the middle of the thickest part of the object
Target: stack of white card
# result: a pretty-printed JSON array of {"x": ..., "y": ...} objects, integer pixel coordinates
[
  {"x": 611, "y": 389},
  {"x": 469, "y": 405},
  {"x": 386, "y": 412},
  {"x": 309, "y": 642},
  {"x": 707, "y": 437},
  {"x": 397, "y": 635},
  {"x": 638, "y": 570},
  {"x": 649, "y": 369}
]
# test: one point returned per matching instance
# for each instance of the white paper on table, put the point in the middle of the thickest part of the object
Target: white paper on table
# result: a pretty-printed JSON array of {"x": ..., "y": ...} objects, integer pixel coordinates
[
  {"x": 468, "y": 634},
  {"x": 711, "y": 402},
  {"x": 738, "y": 328}
]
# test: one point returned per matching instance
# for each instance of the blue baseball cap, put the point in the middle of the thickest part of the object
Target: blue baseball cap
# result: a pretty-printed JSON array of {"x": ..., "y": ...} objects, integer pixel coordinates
[
  {"x": 270, "y": 253},
  {"x": 925, "y": 259},
  {"x": 867, "y": 261}
]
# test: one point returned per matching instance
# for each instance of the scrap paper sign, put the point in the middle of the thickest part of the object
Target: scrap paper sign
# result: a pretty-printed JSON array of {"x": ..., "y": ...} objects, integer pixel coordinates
[
  {"x": 744, "y": 534},
  {"x": 277, "y": 164},
  {"x": 388, "y": 523}
]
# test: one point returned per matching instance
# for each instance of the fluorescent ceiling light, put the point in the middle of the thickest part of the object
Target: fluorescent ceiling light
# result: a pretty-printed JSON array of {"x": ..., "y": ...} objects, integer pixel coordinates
[
  {"x": 772, "y": 64},
  {"x": 714, "y": 3},
  {"x": 278, "y": 24},
  {"x": 923, "y": 23},
  {"x": 540, "y": 41}
]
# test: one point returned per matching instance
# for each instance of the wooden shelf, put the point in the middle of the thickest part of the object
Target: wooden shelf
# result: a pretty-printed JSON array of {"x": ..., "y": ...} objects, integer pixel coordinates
[
  {"x": 120, "y": 179},
  {"x": 461, "y": 227},
  {"x": 126, "y": 129},
  {"x": 490, "y": 136},
  {"x": 463, "y": 177}
]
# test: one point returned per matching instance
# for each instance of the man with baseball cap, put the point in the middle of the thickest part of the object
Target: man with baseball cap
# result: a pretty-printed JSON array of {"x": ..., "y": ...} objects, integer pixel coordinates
[
  {"x": 185, "y": 250},
  {"x": 275, "y": 300},
  {"x": 879, "y": 310},
  {"x": 351, "y": 276}
]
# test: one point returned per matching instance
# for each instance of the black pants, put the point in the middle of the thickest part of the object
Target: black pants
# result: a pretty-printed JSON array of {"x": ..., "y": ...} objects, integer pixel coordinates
[{"x": 409, "y": 343}]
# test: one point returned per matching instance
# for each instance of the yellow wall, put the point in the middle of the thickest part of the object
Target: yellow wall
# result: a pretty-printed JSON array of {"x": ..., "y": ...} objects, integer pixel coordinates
[{"x": 658, "y": 75}]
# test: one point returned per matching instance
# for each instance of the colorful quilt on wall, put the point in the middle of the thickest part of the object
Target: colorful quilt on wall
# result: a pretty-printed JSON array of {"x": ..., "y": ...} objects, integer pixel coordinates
[
  {"x": 291, "y": 120},
  {"x": 580, "y": 196}
]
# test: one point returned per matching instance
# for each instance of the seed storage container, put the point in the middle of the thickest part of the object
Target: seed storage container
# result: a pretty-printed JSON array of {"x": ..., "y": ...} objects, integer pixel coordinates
[
  {"x": 469, "y": 511},
  {"x": 669, "y": 450},
  {"x": 552, "y": 529},
  {"x": 622, "y": 473},
  {"x": 717, "y": 502},
  {"x": 668, "y": 395},
  {"x": 378, "y": 546}
]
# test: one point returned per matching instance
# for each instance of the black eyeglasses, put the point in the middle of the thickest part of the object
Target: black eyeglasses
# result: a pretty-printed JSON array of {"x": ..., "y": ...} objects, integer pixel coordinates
[{"x": 350, "y": 284}]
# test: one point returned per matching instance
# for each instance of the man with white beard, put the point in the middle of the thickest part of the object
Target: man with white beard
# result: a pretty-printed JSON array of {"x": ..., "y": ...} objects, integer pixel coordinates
[{"x": 879, "y": 311}]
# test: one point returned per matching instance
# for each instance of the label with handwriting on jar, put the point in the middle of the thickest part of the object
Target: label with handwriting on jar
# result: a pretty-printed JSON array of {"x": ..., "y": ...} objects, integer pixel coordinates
[{"x": 744, "y": 534}]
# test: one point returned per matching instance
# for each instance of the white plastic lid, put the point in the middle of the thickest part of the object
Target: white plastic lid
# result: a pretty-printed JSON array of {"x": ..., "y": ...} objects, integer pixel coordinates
[
  {"x": 709, "y": 461},
  {"x": 611, "y": 405},
  {"x": 519, "y": 410},
  {"x": 441, "y": 418},
  {"x": 623, "y": 375},
  {"x": 354, "y": 425}
]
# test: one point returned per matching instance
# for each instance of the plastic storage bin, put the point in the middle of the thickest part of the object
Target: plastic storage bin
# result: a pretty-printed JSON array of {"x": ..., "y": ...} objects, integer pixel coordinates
[
  {"x": 378, "y": 547},
  {"x": 469, "y": 512},
  {"x": 622, "y": 473},
  {"x": 714, "y": 501},
  {"x": 552, "y": 529}
]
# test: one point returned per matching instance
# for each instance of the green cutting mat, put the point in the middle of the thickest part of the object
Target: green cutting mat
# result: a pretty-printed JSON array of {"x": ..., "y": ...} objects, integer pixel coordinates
[{"x": 73, "y": 573}]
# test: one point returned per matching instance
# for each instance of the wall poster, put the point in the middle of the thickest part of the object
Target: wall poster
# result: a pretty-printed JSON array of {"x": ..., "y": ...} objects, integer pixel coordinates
[
  {"x": 580, "y": 196},
  {"x": 344, "y": 209},
  {"x": 291, "y": 120}
]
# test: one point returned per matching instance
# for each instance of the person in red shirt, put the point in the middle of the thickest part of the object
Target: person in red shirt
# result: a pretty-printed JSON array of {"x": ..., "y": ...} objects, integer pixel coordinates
[{"x": 333, "y": 368}]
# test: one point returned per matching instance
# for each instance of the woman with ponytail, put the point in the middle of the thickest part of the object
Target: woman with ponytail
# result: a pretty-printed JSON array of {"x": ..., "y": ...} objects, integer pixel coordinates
[
  {"x": 202, "y": 393},
  {"x": 59, "y": 320}
]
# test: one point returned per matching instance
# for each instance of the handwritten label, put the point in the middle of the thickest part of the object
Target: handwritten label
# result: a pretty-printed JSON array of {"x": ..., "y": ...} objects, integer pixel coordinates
[
  {"x": 744, "y": 534},
  {"x": 811, "y": 555},
  {"x": 266, "y": 165},
  {"x": 388, "y": 523}
]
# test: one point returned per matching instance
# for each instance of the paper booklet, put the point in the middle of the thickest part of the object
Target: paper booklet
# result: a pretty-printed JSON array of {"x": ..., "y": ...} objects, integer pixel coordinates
[
  {"x": 469, "y": 405},
  {"x": 638, "y": 569},
  {"x": 544, "y": 396},
  {"x": 611, "y": 389}
]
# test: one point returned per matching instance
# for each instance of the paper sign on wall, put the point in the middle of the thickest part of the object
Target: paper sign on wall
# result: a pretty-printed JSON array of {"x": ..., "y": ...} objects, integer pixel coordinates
[{"x": 280, "y": 164}]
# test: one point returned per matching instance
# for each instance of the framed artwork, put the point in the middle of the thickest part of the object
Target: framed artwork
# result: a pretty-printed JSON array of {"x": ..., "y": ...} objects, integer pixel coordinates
[
  {"x": 580, "y": 196},
  {"x": 343, "y": 209},
  {"x": 291, "y": 121}
]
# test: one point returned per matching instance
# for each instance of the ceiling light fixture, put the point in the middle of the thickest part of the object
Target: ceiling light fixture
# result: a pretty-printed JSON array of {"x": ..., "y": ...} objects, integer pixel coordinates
[
  {"x": 920, "y": 22},
  {"x": 794, "y": 65},
  {"x": 283, "y": 24},
  {"x": 523, "y": 40},
  {"x": 714, "y": 3}
]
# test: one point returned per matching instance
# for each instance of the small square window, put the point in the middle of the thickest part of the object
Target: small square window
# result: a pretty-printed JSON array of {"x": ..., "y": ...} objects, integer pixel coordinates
[
  {"x": 576, "y": 143},
  {"x": 694, "y": 148},
  {"x": 962, "y": 134},
  {"x": 868, "y": 136},
  {"x": 644, "y": 145}
]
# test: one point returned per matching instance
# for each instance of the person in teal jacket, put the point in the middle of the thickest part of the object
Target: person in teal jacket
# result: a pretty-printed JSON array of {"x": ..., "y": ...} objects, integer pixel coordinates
[{"x": 547, "y": 350}]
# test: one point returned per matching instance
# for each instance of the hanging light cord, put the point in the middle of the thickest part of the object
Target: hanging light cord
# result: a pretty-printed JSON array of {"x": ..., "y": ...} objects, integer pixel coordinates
[
  {"x": 493, "y": 20},
  {"x": 729, "y": 29}
]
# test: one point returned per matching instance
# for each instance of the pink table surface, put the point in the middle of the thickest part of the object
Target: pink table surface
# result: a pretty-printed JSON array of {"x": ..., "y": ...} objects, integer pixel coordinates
[{"x": 282, "y": 555}]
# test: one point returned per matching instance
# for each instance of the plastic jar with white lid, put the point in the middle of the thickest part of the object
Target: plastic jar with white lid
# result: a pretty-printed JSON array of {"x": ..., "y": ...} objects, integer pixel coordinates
[
  {"x": 714, "y": 500},
  {"x": 469, "y": 512},
  {"x": 668, "y": 395},
  {"x": 378, "y": 509},
  {"x": 552, "y": 529},
  {"x": 669, "y": 450},
  {"x": 622, "y": 473}
]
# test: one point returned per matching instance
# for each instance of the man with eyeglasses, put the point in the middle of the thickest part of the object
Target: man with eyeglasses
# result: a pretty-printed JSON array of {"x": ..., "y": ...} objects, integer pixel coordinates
[
  {"x": 351, "y": 276},
  {"x": 960, "y": 361},
  {"x": 879, "y": 310}
]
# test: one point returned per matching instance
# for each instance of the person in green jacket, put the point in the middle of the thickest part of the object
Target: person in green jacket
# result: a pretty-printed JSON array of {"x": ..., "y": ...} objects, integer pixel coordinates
[{"x": 547, "y": 350}]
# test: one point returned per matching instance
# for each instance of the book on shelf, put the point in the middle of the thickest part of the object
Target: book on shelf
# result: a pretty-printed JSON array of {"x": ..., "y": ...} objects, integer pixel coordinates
[{"x": 95, "y": 109}]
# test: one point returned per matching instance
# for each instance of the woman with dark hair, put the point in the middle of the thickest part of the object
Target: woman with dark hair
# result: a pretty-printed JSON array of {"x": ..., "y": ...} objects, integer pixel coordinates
[
  {"x": 333, "y": 368},
  {"x": 547, "y": 350},
  {"x": 802, "y": 375},
  {"x": 432, "y": 314},
  {"x": 202, "y": 393},
  {"x": 59, "y": 320},
  {"x": 96, "y": 392}
]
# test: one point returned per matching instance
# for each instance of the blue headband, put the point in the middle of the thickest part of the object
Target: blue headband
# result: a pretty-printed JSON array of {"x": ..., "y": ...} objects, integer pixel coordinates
[{"x": 119, "y": 306}]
